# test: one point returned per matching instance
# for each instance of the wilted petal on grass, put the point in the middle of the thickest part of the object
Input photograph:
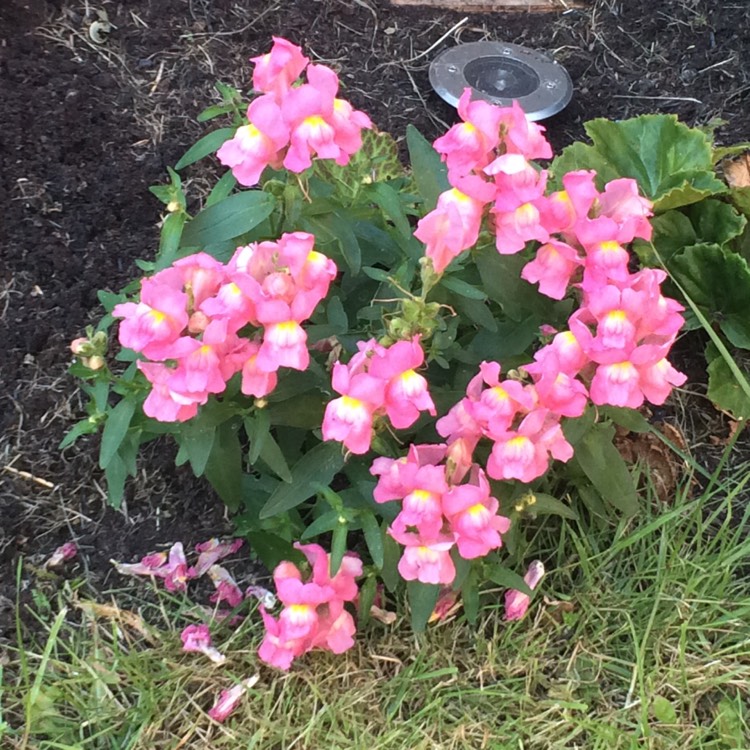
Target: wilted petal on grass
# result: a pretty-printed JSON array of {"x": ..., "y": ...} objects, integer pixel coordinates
[
  {"x": 64, "y": 552},
  {"x": 264, "y": 596},
  {"x": 516, "y": 602},
  {"x": 229, "y": 699},
  {"x": 227, "y": 589},
  {"x": 211, "y": 552},
  {"x": 198, "y": 638}
]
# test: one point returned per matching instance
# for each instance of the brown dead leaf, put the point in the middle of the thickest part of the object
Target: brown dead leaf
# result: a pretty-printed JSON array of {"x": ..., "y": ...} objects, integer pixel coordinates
[
  {"x": 113, "y": 613},
  {"x": 665, "y": 467},
  {"x": 737, "y": 171},
  {"x": 383, "y": 615}
]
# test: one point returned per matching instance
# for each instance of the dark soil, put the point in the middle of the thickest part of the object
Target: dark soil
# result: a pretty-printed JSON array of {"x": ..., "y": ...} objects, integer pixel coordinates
[{"x": 86, "y": 127}]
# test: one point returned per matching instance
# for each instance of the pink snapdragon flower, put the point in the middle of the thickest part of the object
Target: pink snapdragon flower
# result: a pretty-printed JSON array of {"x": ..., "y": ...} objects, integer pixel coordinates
[
  {"x": 319, "y": 124},
  {"x": 377, "y": 381},
  {"x": 469, "y": 145},
  {"x": 152, "y": 325},
  {"x": 554, "y": 265},
  {"x": 521, "y": 136},
  {"x": 426, "y": 558},
  {"x": 524, "y": 453},
  {"x": 516, "y": 602},
  {"x": 452, "y": 227},
  {"x": 277, "y": 70},
  {"x": 258, "y": 144},
  {"x": 314, "y": 615},
  {"x": 198, "y": 638},
  {"x": 473, "y": 518}
]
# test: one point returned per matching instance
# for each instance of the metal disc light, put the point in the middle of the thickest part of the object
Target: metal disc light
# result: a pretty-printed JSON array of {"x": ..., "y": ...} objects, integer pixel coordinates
[{"x": 500, "y": 72}]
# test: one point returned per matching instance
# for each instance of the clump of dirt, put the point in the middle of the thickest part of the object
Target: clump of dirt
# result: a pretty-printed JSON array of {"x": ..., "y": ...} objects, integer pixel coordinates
[{"x": 90, "y": 119}]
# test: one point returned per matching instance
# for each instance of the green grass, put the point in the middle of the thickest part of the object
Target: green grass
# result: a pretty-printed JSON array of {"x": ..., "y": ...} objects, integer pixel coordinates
[{"x": 638, "y": 639}]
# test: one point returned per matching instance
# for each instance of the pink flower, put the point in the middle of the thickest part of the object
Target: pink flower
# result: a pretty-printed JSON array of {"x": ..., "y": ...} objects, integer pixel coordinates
[
  {"x": 258, "y": 144},
  {"x": 425, "y": 558},
  {"x": 277, "y": 649},
  {"x": 406, "y": 391},
  {"x": 516, "y": 180},
  {"x": 229, "y": 699},
  {"x": 516, "y": 602},
  {"x": 521, "y": 136},
  {"x": 276, "y": 71},
  {"x": 256, "y": 382},
  {"x": 524, "y": 453},
  {"x": 349, "y": 419},
  {"x": 319, "y": 126},
  {"x": 469, "y": 145},
  {"x": 514, "y": 228},
  {"x": 451, "y": 228},
  {"x": 163, "y": 403},
  {"x": 153, "y": 324},
  {"x": 198, "y": 638},
  {"x": 554, "y": 265},
  {"x": 473, "y": 518},
  {"x": 621, "y": 201}
]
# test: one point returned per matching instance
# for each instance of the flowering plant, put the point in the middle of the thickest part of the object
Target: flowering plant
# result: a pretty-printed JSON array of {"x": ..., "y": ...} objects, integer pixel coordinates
[{"x": 408, "y": 361}]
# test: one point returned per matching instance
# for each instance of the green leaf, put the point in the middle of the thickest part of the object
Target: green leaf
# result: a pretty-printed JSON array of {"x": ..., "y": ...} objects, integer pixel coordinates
[
  {"x": 224, "y": 465},
  {"x": 606, "y": 468},
  {"x": 304, "y": 413},
  {"x": 470, "y": 596},
  {"x": 271, "y": 455},
  {"x": 422, "y": 600},
  {"x": 508, "y": 579},
  {"x": 115, "y": 429},
  {"x": 718, "y": 281},
  {"x": 461, "y": 288},
  {"x": 373, "y": 538},
  {"x": 115, "y": 474},
  {"x": 337, "y": 316},
  {"x": 198, "y": 441},
  {"x": 84, "y": 427},
  {"x": 317, "y": 466},
  {"x": 257, "y": 428},
  {"x": 389, "y": 203},
  {"x": 429, "y": 171},
  {"x": 367, "y": 592},
  {"x": 231, "y": 218},
  {"x": 723, "y": 388},
  {"x": 322, "y": 524},
  {"x": 338, "y": 545},
  {"x": 272, "y": 549},
  {"x": 673, "y": 232},
  {"x": 548, "y": 505},
  {"x": 630, "y": 419},
  {"x": 501, "y": 279},
  {"x": 221, "y": 189},
  {"x": 716, "y": 221},
  {"x": 207, "y": 145},
  {"x": 215, "y": 110},
  {"x": 169, "y": 239},
  {"x": 391, "y": 556},
  {"x": 672, "y": 163},
  {"x": 663, "y": 710}
]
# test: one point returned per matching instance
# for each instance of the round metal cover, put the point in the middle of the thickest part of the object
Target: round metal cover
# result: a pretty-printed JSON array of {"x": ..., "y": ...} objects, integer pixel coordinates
[{"x": 500, "y": 72}]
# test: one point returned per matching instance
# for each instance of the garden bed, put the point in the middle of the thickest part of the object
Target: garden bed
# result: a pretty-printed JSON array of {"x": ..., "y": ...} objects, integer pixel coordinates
[{"x": 87, "y": 126}]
